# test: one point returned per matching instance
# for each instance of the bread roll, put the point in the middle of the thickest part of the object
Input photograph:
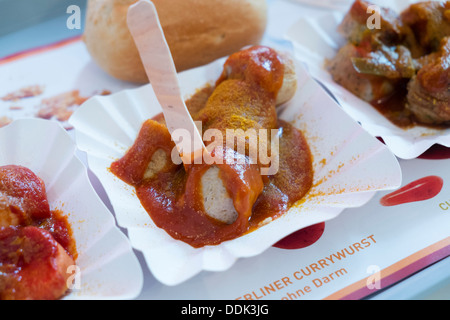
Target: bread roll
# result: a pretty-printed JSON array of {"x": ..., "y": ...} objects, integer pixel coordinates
[{"x": 197, "y": 32}]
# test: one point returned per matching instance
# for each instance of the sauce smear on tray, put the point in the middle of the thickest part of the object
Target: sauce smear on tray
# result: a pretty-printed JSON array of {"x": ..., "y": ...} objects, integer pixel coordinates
[{"x": 419, "y": 190}]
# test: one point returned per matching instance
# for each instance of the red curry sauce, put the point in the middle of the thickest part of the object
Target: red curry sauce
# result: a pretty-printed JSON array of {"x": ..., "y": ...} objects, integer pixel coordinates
[
  {"x": 243, "y": 97},
  {"x": 25, "y": 194},
  {"x": 29, "y": 236}
]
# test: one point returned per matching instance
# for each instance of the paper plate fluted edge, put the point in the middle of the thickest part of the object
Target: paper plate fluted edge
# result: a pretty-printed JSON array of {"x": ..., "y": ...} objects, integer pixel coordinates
[{"x": 173, "y": 262}]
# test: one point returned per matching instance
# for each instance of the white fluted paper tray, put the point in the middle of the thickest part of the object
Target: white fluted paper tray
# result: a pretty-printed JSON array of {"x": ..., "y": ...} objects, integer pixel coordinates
[
  {"x": 350, "y": 166},
  {"x": 315, "y": 40},
  {"x": 108, "y": 266}
]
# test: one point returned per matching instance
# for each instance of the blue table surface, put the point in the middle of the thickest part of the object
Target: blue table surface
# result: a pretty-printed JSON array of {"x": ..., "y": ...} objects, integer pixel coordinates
[{"x": 432, "y": 283}]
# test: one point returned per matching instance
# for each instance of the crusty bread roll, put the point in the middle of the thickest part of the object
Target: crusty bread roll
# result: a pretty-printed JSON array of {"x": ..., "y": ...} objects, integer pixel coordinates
[{"x": 197, "y": 31}]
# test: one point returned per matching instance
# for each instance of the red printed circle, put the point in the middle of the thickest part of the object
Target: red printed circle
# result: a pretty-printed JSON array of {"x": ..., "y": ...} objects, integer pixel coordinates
[
  {"x": 302, "y": 238},
  {"x": 436, "y": 152}
]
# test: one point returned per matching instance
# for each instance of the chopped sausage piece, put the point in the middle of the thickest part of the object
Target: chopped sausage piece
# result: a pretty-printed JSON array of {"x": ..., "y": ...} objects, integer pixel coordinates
[
  {"x": 22, "y": 196},
  {"x": 429, "y": 92},
  {"x": 33, "y": 266}
]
